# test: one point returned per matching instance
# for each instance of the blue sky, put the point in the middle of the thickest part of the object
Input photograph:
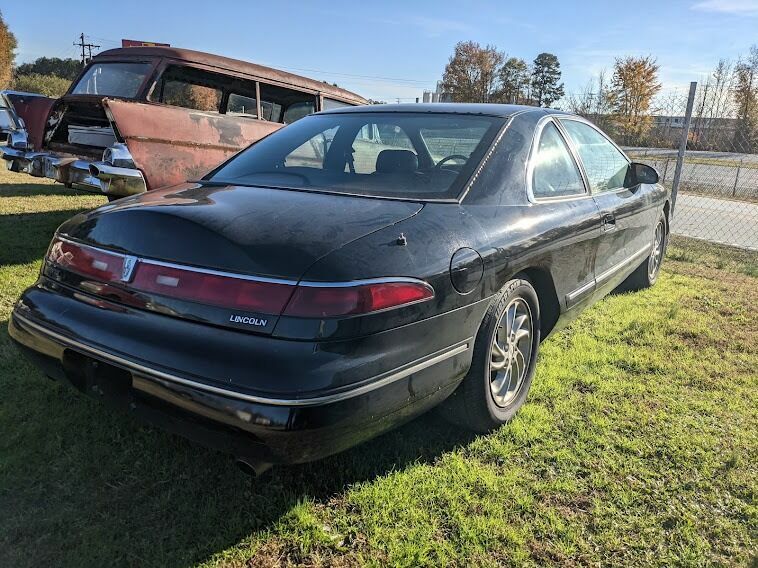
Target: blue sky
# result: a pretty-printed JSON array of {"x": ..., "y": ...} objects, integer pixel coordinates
[{"x": 387, "y": 50}]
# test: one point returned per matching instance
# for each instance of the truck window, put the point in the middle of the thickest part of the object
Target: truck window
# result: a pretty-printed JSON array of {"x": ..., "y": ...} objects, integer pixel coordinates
[
  {"x": 242, "y": 105},
  {"x": 112, "y": 79},
  {"x": 279, "y": 104},
  {"x": 332, "y": 103},
  {"x": 189, "y": 88}
]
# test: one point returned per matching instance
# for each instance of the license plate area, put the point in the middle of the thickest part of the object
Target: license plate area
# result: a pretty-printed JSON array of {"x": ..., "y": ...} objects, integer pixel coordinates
[{"x": 98, "y": 379}]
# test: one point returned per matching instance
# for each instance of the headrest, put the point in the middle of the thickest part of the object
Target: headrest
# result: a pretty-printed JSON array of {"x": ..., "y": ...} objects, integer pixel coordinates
[{"x": 393, "y": 161}]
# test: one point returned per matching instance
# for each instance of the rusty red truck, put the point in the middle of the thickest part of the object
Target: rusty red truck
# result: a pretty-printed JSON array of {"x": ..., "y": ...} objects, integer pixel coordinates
[{"x": 140, "y": 118}]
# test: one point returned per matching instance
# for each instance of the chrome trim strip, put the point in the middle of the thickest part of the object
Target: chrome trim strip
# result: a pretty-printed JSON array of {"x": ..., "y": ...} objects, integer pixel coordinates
[
  {"x": 304, "y": 283},
  {"x": 572, "y": 297},
  {"x": 605, "y": 275},
  {"x": 367, "y": 386}
]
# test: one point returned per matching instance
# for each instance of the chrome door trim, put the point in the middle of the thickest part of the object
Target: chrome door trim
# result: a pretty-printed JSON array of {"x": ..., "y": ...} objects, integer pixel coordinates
[
  {"x": 610, "y": 272},
  {"x": 572, "y": 298}
]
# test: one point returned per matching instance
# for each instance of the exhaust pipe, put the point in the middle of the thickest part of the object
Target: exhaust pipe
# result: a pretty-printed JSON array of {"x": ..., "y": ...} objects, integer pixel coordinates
[{"x": 252, "y": 468}]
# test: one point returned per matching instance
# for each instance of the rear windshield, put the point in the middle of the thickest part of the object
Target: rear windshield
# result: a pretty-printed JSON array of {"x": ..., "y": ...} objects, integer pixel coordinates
[
  {"x": 112, "y": 79},
  {"x": 401, "y": 155}
]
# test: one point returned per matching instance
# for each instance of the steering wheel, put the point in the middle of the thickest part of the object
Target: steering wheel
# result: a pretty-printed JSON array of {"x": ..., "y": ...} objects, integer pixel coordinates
[{"x": 438, "y": 165}]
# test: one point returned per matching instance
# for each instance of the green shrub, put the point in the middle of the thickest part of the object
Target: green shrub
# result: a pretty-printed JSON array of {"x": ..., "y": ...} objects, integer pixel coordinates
[{"x": 48, "y": 85}]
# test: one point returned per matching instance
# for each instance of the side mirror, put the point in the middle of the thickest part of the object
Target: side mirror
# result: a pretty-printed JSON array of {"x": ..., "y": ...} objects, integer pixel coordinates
[
  {"x": 641, "y": 173},
  {"x": 21, "y": 123}
]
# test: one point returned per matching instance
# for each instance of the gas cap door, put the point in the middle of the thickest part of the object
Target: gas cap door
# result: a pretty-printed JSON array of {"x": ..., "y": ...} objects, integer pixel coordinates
[{"x": 466, "y": 270}]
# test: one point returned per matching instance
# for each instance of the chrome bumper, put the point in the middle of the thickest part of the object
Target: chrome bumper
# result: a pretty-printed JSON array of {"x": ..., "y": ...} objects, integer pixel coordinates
[{"x": 98, "y": 176}]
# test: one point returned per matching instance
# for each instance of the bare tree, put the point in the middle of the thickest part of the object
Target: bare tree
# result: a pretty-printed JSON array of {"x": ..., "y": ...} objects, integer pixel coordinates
[
  {"x": 471, "y": 75},
  {"x": 746, "y": 98},
  {"x": 713, "y": 104},
  {"x": 594, "y": 102}
]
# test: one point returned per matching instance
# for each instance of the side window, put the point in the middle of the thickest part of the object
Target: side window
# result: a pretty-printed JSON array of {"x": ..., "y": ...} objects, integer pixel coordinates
[
  {"x": 189, "y": 88},
  {"x": 296, "y": 111},
  {"x": 606, "y": 167},
  {"x": 279, "y": 104},
  {"x": 332, "y": 103},
  {"x": 555, "y": 173},
  {"x": 242, "y": 105}
]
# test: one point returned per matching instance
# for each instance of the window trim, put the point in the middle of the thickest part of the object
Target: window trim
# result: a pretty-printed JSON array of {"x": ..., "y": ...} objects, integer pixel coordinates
[
  {"x": 576, "y": 151},
  {"x": 532, "y": 162}
]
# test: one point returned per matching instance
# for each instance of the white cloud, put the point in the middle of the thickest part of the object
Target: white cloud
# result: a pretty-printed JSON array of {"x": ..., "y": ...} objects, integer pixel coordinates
[{"x": 737, "y": 7}]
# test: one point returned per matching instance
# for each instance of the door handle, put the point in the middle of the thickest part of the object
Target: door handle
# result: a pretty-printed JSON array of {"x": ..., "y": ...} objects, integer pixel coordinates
[{"x": 609, "y": 222}]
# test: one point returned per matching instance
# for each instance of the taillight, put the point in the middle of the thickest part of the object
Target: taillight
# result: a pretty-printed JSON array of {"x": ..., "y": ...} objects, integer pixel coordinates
[
  {"x": 86, "y": 261},
  {"x": 311, "y": 301},
  {"x": 250, "y": 294},
  {"x": 212, "y": 289}
]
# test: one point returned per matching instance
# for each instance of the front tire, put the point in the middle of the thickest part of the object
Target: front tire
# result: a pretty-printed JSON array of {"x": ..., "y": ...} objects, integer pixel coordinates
[
  {"x": 646, "y": 274},
  {"x": 503, "y": 363}
]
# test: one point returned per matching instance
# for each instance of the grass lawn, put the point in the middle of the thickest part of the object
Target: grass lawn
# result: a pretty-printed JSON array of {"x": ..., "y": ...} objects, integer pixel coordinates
[{"x": 638, "y": 446}]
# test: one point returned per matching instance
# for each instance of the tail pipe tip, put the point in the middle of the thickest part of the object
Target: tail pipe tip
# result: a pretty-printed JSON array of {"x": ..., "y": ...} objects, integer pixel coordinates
[{"x": 253, "y": 468}]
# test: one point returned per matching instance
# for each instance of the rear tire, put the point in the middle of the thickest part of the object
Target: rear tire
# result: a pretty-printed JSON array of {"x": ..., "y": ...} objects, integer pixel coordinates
[
  {"x": 646, "y": 274},
  {"x": 503, "y": 363}
]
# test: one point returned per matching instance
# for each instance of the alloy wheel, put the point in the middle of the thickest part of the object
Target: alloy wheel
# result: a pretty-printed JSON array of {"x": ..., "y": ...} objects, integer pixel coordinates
[
  {"x": 656, "y": 255},
  {"x": 511, "y": 352}
]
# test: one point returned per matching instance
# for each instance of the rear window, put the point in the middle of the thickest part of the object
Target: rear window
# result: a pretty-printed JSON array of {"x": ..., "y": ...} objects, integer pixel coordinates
[
  {"x": 112, "y": 79},
  {"x": 401, "y": 155}
]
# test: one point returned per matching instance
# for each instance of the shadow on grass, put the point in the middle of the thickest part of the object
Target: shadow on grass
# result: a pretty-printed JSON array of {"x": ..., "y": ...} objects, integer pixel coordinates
[
  {"x": 84, "y": 485},
  {"x": 35, "y": 189},
  {"x": 25, "y": 236}
]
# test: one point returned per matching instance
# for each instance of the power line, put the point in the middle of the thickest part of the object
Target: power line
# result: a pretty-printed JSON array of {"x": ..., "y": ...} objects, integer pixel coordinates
[{"x": 87, "y": 46}]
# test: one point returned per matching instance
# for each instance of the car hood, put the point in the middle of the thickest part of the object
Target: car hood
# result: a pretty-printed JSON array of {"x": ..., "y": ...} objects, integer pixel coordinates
[{"x": 249, "y": 230}]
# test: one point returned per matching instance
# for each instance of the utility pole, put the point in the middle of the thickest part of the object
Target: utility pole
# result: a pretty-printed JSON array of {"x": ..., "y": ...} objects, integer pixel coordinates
[{"x": 87, "y": 46}]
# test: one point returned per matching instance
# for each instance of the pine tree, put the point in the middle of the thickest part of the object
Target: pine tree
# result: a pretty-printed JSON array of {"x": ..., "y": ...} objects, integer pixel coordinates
[{"x": 546, "y": 74}]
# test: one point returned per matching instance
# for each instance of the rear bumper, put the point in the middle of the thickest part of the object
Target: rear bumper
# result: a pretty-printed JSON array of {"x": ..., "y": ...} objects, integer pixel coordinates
[
  {"x": 258, "y": 426},
  {"x": 93, "y": 176}
]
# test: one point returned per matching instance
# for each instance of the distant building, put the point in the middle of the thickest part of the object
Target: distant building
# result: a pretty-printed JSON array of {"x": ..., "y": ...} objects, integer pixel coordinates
[
  {"x": 704, "y": 132},
  {"x": 438, "y": 95}
]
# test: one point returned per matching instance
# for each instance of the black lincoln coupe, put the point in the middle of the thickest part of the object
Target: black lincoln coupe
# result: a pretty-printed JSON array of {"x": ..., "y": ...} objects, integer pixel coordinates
[{"x": 345, "y": 274}]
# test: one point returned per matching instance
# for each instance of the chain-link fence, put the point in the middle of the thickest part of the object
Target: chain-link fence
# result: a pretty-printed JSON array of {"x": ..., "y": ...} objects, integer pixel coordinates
[{"x": 717, "y": 197}]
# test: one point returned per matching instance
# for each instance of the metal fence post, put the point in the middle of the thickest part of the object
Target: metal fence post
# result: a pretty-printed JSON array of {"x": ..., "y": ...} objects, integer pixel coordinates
[
  {"x": 737, "y": 178},
  {"x": 683, "y": 145}
]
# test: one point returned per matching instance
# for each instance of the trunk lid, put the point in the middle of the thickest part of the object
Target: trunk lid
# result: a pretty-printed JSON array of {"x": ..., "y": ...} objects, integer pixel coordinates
[{"x": 254, "y": 231}]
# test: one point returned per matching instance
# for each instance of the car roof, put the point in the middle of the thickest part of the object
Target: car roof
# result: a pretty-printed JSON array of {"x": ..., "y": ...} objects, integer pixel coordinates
[
  {"x": 487, "y": 109},
  {"x": 235, "y": 65}
]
